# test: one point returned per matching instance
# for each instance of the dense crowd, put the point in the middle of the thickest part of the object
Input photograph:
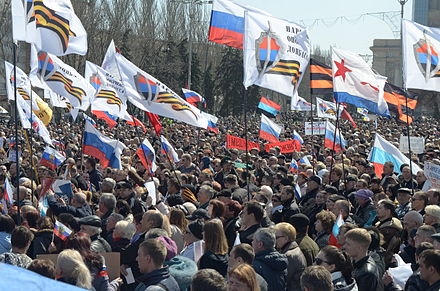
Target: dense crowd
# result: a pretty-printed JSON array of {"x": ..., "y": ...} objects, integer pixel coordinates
[{"x": 224, "y": 219}]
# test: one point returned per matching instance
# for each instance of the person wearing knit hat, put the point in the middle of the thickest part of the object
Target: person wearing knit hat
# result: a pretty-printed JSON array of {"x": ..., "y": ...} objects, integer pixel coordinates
[
  {"x": 170, "y": 245},
  {"x": 193, "y": 238},
  {"x": 432, "y": 216},
  {"x": 365, "y": 213}
]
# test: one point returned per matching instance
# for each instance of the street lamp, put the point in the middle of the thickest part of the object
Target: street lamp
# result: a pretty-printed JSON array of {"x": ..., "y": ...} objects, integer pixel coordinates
[{"x": 402, "y": 5}]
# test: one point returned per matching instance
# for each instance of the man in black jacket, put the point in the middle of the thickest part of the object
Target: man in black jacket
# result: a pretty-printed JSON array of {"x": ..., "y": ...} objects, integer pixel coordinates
[
  {"x": 94, "y": 175},
  {"x": 366, "y": 272},
  {"x": 78, "y": 208},
  {"x": 290, "y": 207},
  {"x": 125, "y": 192},
  {"x": 430, "y": 269}
]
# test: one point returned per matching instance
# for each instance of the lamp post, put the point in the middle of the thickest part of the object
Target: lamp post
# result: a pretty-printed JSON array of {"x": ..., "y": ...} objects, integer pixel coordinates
[{"x": 402, "y": 6}]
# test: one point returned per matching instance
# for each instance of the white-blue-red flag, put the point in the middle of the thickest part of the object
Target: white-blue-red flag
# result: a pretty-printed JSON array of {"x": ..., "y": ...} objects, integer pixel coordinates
[
  {"x": 332, "y": 140},
  {"x": 270, "y": 130},
  {"x": 297, "y": 137},
  {"x": 192, "y": 97},
  {"x": 354, "y": 82},
  {"x": 168, "y": 149},
  {"x": 147, "y": 156}
]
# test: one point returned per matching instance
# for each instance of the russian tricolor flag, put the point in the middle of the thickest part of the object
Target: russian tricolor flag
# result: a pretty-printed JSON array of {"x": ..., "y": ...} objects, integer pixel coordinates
[
  {"x": 107, "y": 150},
  {"x": 212, "y": 126},
  {"x": 335, "y": 231},
  {"x": 89, "y": 119},
  {"x": 297, "y": 137},
  {"x": 293, "y": 166},
  {"x": 168, "y": 150},
  {"x": 111, "y": 120},
  {"x": 51, "y": 158},
  {"x": 193, "y": 97},
  {"x": 269, "y": 106},
  {"x": 227, "y": 23},
  {"x": 305, "y": 160},
  {"x": 329, "y": 140},
  {"x": 8, "y": 192},
  {"x": 61, "y": 231},
  {"x": 147, "y": 156},
  {"x": 137, "y": 122},
  {"x": 383, "y": 151},
  {"x": 269, "y": 130}
]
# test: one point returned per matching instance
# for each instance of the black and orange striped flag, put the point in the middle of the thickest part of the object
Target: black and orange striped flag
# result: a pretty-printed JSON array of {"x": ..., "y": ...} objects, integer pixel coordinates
[
  {"x": 321, "y": 78},
  {"x": 396, "y": 99}
]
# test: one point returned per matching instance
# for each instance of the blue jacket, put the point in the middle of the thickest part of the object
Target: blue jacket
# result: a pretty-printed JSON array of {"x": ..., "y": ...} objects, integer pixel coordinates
[
  {"x": 5, "y": 242},
  {"x": 272, "y": 266}
]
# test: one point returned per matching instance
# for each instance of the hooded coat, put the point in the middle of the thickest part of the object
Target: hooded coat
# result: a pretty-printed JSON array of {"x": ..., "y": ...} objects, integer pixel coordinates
[{"x": 272, "y": 266}]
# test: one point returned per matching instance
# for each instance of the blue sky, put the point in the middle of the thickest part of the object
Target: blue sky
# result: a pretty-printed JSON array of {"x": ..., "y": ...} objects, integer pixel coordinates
[{"x": 356, "y": 36}]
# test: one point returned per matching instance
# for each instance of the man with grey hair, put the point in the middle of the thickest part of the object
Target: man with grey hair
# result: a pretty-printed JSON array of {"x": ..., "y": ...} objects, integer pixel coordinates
[
  {"x": 110, "y": 226},
  {"x": 107, "y": 204},
  {"x": 206, "y": 193},
  {"x": 78, "y": 205},
  {"x": 108, "y": 185},
  {"x": 269, "y": 263}
]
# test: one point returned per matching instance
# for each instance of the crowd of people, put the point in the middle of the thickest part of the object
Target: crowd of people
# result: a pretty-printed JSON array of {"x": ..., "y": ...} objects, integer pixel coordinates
[{"x": 224, "y": 219}]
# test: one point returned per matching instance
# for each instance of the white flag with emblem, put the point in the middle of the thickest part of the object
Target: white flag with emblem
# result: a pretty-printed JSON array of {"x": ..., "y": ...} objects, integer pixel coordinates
[{"x": 421, "y": 49}]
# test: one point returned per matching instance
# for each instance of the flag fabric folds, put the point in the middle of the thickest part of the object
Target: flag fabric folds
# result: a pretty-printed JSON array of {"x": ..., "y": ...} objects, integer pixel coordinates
[
  {"x": 326, "y": 109},
  {"x": 168, "y": 149},
  {"x": 111, "y": 120},
  {"x": 155, "y": 122},
  {"x": 321, "y": 78},
  {"x": 61, "y": 231},
  {"x": 301, "y": 105},
  {"x": 137, "y": 122},
  {"x": 51, "y": 25},
  {"x": 364, "y": 113},
  {"x": 383, "y": 151},
  {"x": 8, "y": 192},
  {"x": 107, "y": 150},
  {"x": 62, "y": 188},
  {"x": 293, "y": 166},
  {"x": 421, "y": 49},
  {"x": 269, "y": 106},
  {"x": 193, "y": 97},
  {"x": 110, "y": 92},
  {"x": 51, "y": 158},
  {"x": 335, "y": 231},
  {"x": 62, "y": 79},
  {"x": 297, "y": 137},
  {"x": 354, "y": 82},
  {"x": 305, "y": 160},
  {"x": 212, "y": 122},
  {"x": 269, "y": 130},
  {"x": 270, "y": 60},
  {"x": 149, "y": 94},
  {"x": 334, "y": 141},
  {"x": 147, "y": 156},
  {"x": 396, "y": 100},
  {"x": 227, "y": 23}
]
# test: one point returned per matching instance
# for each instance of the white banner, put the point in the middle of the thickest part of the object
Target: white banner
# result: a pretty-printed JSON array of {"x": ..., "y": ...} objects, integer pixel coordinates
[
  {"x": 417, "y": 144},
  {"x": 421, "y": 46},
  {"x": 318, "y": 128},
  {"x": 432, "y": 174}
]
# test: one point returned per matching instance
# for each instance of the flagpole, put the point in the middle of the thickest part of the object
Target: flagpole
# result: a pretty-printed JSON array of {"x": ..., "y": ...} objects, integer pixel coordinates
[
  {"x": 17, "y": 160},
  {"x": 402, "y": 6},
  {"x": 246, "y": 141},
  {"x": 30, "y": 143},
  {"x": 334, "y": 139},
  {"x": 343, "y": 164},
  {"x": 311, "y": 125}
]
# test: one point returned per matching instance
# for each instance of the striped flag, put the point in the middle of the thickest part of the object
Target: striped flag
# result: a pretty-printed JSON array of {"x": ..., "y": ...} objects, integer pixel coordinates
[
  {"x": 321, "y": 78},
  {"x": 193, "y": 97},
  {"x": 297, "y": 137},
  {"x": 269, "y": 106},
  {"x": 293, "y": 166},
  {"x": 396, "y": 100},
  {"x": 168, "y": 149},
  {"x": 61, "y": 231},
  {"x": 269, "y": 130},
  {"x": 335, "y": 231},
  {"x": 329, "y": 140},
  {"x": 147, "y": 156}
]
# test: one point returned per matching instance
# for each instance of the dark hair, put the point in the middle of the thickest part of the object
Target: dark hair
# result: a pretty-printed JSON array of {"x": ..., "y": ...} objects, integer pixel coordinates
[
  {"x": 316, "y": 278},
  {"x": 44, "y": 222},
  {"x": 81, "y": 242},
  {"x": 208, "y": 279},
  {"x": 21, "y": 237},
  {"x": 45, "y": 268},
  {"x": 431, "y": 258},
  {"x": 31, "y": 217},
  {"x": 123, "y": 207},
  {"x": 256, "y": 209},
  {"x": 244, "y": 251},
  {"x": 218, "y": 208},
  {"x": 7, "y": 224},
  {"x": 376, "y": 237},
  {"x": 341, "y": 260},
  {"x": 69, "y": 220},
  {"x": 389, "y": 205}
]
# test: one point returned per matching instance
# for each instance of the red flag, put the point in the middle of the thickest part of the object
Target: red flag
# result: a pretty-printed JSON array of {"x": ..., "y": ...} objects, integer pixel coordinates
[
  {"x": 345, "y": 115},
  {"x": 155, "y": 122},
  {"x": 137, "y": 122}
]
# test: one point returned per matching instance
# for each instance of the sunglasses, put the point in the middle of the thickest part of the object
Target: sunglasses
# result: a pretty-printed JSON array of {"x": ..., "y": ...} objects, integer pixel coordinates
[{"x": 319, "y": 261}]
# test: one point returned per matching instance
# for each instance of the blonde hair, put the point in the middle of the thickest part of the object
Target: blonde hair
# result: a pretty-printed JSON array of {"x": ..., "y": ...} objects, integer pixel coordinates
[
  {"x": 287, "y": 229},
  {"x": 70, "y": 265}
]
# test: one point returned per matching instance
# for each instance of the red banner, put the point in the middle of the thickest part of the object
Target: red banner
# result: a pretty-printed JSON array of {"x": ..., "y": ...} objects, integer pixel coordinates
[
  {"x": 288, "y": 146},
  {"x": 233, "y": 142}
]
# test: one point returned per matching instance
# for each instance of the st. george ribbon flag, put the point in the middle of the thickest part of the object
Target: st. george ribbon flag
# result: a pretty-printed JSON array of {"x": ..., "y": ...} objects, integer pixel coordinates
[
  {"x": 51, "y": 25},
  {"x": 421, "y": 49},
  {"x": 276, "y": 53},
  {"x": 355, "y": 82}
]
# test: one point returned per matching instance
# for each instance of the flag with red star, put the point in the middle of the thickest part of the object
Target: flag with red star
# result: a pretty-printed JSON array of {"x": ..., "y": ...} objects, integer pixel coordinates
[{"x": 355, "y": 82}]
